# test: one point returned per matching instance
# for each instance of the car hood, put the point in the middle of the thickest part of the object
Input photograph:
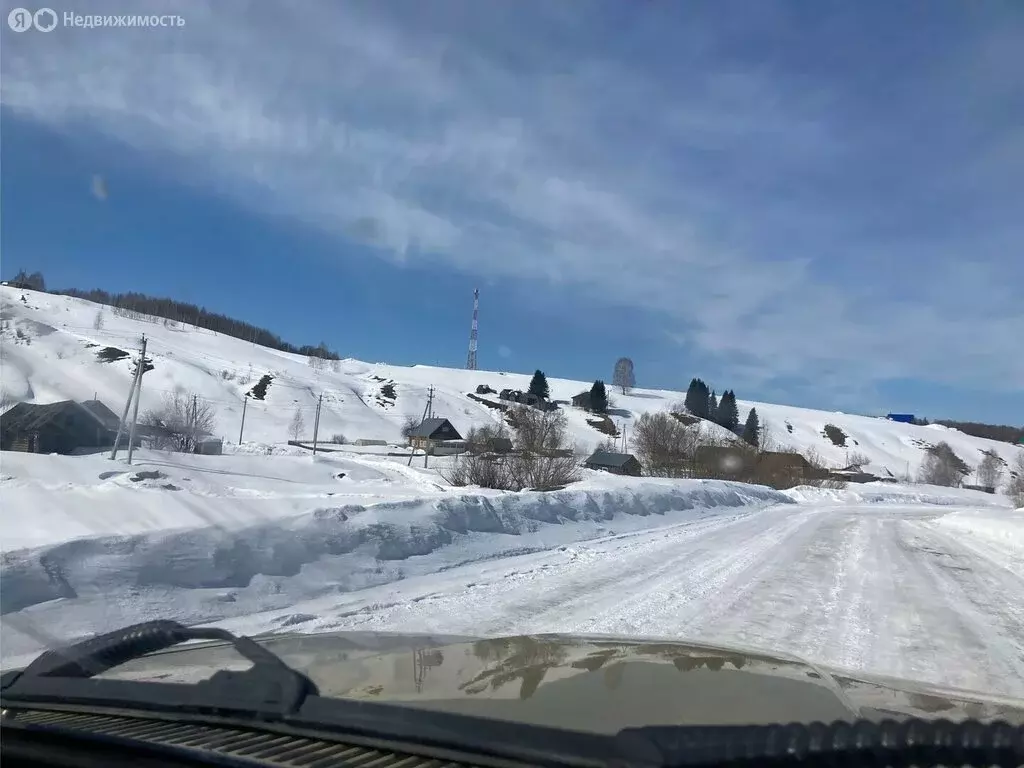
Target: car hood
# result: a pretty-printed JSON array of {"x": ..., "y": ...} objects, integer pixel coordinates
[{"x": 590, "y": 683}]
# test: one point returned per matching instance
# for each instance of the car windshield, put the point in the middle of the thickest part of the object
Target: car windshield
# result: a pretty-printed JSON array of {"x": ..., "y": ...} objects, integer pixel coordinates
[{"x": 628, "y": 322}]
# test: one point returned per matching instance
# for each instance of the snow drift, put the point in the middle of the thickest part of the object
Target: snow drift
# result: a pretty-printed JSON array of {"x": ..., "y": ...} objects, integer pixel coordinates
[{"x": 204, "y": 538}]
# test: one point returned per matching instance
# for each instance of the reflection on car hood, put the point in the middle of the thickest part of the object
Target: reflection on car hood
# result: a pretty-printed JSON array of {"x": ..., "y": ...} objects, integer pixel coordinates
[{"x": 589, "y": 683}]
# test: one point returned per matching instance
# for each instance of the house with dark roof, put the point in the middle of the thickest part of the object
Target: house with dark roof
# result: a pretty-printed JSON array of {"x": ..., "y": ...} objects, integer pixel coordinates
[
  {"x": 616, "y": 463},
  {"x": 65, "y": 427},
  {"x": 431, "y": 432},
  {"x": 582, "y": 400}
]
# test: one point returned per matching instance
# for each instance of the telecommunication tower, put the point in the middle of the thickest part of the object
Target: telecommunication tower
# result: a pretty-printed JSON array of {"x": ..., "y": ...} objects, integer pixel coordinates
[{"x": 471, "y": 358}]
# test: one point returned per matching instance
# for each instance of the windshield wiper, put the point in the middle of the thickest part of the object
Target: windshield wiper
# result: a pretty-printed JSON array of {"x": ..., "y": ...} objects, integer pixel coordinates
[
  {"x": 269, "y": 689},
  {"x": 270, "y": 695}
]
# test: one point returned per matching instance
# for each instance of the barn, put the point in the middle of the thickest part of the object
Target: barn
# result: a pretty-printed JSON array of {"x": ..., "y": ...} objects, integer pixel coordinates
[
  {"x": 616, "y": 463},
  {"x": 65, "y": 427}
]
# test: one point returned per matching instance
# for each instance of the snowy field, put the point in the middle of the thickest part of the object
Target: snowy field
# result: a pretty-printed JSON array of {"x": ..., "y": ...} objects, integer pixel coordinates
[{"x": 918, "y": 582}]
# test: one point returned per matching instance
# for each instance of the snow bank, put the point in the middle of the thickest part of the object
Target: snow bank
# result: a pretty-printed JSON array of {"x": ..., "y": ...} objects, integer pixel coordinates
[
  {"x": 86, "y": 496},
  {"x": 997, "y": 535},
  {"x": 351, "y": 546},
  {"x": 202, "y": 539},
  {"x": 891, "y": 493}
]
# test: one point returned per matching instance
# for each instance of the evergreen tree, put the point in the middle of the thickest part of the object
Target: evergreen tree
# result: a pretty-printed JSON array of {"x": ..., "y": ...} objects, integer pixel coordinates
[
  {"x": 539, "y": 385},
  {"x": 712, "y": 407},
  {"x": 692, "y": 396},
  {"x": 598, "y": 397},
  {"x": 728, "y": 414},
  {"x": 697, "y": 397},
  {"x": 752, "y": 429}
]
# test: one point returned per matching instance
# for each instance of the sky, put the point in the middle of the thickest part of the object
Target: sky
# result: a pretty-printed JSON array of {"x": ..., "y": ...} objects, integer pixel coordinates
[{"x": 808, "y": 203}]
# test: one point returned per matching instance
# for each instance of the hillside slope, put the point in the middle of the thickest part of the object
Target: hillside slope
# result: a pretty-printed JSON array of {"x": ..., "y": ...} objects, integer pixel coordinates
[{"x": 50, "y": 345}]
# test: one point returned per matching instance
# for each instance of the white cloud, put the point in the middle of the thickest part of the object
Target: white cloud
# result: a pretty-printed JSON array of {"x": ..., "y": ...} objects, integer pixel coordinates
[{"x": 412, "y": 135}]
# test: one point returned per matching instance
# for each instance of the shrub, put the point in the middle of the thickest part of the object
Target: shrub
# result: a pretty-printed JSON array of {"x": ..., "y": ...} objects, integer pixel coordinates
[{"x": 835, "y": 434}]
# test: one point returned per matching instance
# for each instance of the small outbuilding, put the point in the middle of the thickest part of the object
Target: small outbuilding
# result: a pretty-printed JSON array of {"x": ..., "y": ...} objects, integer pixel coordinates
[{"x": 616, "y": 463}]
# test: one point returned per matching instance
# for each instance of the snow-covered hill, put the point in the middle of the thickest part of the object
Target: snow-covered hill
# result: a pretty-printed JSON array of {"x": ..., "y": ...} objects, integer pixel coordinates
[{"x": 50, "y": 346}]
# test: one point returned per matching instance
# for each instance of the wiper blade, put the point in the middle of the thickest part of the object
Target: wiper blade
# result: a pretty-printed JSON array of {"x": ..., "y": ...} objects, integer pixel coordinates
[{"x": 269, "y": 689}]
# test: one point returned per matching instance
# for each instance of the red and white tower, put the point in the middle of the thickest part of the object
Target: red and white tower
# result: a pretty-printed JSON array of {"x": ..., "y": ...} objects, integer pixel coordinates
[{"x": 471, "y": 358}]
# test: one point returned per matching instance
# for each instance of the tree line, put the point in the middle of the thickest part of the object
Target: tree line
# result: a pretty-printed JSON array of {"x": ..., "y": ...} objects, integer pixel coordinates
[
  {"x": 703, "y": 402},
  {"x": 200, "y": 317}
]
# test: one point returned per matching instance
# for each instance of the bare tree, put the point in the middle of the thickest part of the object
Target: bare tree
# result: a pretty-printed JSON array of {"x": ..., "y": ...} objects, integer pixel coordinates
[
  {"x": 665, "y": 445},
  {"x": 539, "y": 431},
  {"x": 543, "y": 472},
  {"x": 623, "y": 377},
  {"x": 180, "y": 422},
  {"x": 484, "y": 471},
  {"x": 767, "y": 443},
  {"x": 1015, "y": 488},
  {"x": 97, "y": 322},
  {"x": 298, "y": 423},
  {"x": 856, "y": 459},
  {"x": 409, "y": 426},
  {"x": 318, "y": 364},
  {"x": 941, "y": 466},
  {"x": 543, "y": 458},
  {"x": 990, "y": 470},
  {"x": 336, "y": 366},
  {"x": 480, "y": 439}
]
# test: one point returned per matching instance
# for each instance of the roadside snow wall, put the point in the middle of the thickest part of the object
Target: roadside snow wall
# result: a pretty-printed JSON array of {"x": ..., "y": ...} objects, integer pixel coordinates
[{"x": 209, "y": 574}]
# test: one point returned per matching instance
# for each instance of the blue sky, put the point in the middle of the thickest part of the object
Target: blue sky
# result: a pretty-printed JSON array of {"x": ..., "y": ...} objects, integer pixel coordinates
[{"x": 811, "y": 203}]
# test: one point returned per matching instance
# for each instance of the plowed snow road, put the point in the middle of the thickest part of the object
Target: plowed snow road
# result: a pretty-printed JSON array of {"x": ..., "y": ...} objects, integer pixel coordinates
[{"x": 879, "y": 588}]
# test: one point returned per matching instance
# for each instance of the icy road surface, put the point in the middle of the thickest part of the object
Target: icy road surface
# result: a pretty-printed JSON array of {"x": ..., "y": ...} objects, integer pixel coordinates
[{"x": 882, "y": 588}]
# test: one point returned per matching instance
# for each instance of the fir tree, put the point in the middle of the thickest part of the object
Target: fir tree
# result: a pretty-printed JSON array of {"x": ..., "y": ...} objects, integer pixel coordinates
[
  {"x": 692, "y": 396},
  {"x": 728, "y": 414},
  {"x": 539, "y": 385},
  {"x": 712, "y": 407},
  {"x": 697, "y": 396},
  {"x": 598, "y": 397},
  {"x": 752, "y": 429}
]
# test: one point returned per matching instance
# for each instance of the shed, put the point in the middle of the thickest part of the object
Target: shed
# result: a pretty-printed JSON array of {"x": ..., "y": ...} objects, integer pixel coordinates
[
  {"x": 208, "y": 445},
  {"x": 772, "y": 463},
  {"x": 616, "y": 463},
  {"x": 64, "y": 427},
  {"x": 498, "y": 445},
  {"x": 582, "y": 400},
  {"x": 430, "y": 432},
  {"x": 853, "y": 475},
  {"x": 724, "y": 461}
]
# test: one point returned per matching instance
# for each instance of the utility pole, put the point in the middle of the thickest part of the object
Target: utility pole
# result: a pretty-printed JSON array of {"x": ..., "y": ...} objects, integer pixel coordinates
[
  {"x": 430, "y": 415},
  {"x": 241, "y": 429},
  {"x": 195, "y": 418},
  {"x": 138, "y": 397},
  {"x": 128, "y": 403},
  {"x": 316, "y": 422},
  {"x": 428, "y": 412}
]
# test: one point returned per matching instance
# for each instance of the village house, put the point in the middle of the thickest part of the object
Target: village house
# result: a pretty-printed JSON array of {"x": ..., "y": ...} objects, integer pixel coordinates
[
  {"x": 65, "y": 427},
  {"x": 615, "y": 463},
  {"x": 432, "y": 433}
]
